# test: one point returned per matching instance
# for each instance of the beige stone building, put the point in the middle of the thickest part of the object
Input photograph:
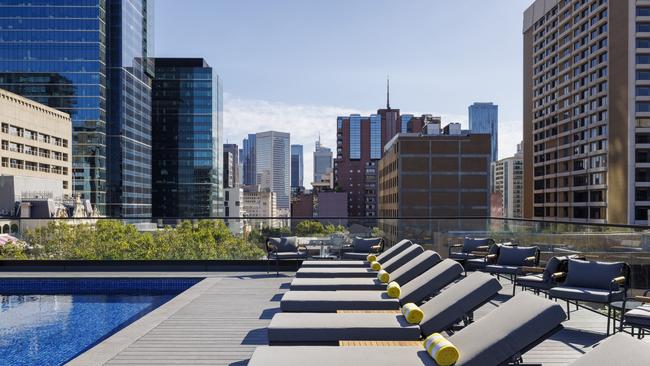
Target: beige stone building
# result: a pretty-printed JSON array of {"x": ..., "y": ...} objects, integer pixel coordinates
[
  {"x": 35, "y": 141},
  {"x": 260, "y": 207},
  {"x": 508, "y": 182}
]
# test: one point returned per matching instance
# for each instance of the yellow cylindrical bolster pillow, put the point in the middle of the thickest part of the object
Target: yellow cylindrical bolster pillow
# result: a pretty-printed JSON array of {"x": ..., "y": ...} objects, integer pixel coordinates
[
  {"x": 393, "y": 290},
  {"x": 375, "y": 266},
  {"x": 371, "y": 258},
  {"x": 412, "y": 313},
  {"x": 441, "y": 350},
  {"x": 383, "y": 276}
]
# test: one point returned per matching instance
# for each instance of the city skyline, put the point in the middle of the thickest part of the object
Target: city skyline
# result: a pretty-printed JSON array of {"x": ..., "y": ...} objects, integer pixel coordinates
[{"x": 438, "y": 85}]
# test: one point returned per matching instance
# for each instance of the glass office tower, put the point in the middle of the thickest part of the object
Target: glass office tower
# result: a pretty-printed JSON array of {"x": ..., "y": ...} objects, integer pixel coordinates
[
  {"x": 187, "y": 149},
  {"x": 56, "y": 55},
  {"x": 484, "y": 118},
  {"x": 297, "y": 166},
  {"x": 89, "y": 58}
]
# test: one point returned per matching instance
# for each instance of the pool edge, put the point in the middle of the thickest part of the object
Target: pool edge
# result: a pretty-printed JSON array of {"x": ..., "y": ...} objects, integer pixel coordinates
[{"x": 113, "y": 345}]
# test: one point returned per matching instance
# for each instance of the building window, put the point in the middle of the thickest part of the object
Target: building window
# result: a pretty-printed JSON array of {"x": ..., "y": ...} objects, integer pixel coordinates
[{"x": 355, "y": 137}]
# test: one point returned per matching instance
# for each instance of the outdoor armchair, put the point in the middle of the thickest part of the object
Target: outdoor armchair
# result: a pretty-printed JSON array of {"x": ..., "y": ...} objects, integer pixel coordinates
[
  {"x": 590, "y": 281},
  {"x": 361, "y": 247},
  {"x": 638, "y": 317},
  {"x": 284, "y": 248},
  {"x": 498, "y": 338},
  {"x": 465, "y": 251},
  {"x": 483, "y": 258},
  {"x": 511, "y": 260}
]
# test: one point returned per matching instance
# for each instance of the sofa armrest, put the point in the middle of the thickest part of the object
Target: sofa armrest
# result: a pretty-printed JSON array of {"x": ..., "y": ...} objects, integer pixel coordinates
[
  {"x": 558, "y": 276},
  {"x": 532, "y": 269},
  {"x": 480, "y": 253},
  {"x": 375, "y": 248},
  {"x": 620, "y": 280},
  {"x": 530, "y": 259},
  {"x": 491, "y": 258}
]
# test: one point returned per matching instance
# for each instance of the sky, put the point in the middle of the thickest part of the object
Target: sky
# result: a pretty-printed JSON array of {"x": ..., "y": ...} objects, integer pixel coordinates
[{"x": 295, "y": 65}]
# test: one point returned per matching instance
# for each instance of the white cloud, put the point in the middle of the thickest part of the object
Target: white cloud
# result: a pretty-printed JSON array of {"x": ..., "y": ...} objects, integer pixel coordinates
[{"x": 305, "y": 122}]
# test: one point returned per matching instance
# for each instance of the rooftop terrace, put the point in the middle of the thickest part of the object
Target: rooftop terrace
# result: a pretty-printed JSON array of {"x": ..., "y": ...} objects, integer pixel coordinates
[{"x": 222, "y": 319}]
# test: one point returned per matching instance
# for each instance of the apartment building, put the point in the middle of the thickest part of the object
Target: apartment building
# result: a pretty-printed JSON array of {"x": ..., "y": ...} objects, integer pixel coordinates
[
  {"x": 508, "y": 183},
  {"x": 587, "y": 111},
  {"x": 439, "y": 173},
  {"x": 260, "y": 207},
  {"x": 35, "y": 141}
]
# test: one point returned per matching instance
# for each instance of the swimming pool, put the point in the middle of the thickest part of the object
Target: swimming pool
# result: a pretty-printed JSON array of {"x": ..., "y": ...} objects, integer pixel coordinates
[{"x": 49, "y": 322}]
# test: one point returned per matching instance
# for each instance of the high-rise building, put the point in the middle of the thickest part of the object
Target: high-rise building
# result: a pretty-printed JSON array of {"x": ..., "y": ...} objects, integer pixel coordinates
[
  {"x": 231, "y": 170},
  {"x": 297, "y": 167},
  {"x": 484, "y": 118},
  {"x": 508, "y": 182},
  {"x": 233, "y": 209},
  {"x": 187, "y": 154},
  {"x": 435, "y": 173},
  {"x": 322, "y": 161},
  {"x": 360, "y": 145},
  {"x": 248, "y": 161},
  {"x": 273, "y": 165},
  {"x": 90, "y": 59},
  {"x": 586, "y": 113}
]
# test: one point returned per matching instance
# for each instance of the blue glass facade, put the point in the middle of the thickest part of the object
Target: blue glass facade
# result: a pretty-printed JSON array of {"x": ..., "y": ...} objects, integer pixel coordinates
[
  {"x": 375, "y": 136},
  {"x": 248, "y": 160},
  {"x": 297, "y": 166},
  {"x": 55, "y": 52},
  {"x": 355, "y": 136},
  {"x": 129, "y": 113},
  {"x": 484, "y": 118},
  {"x": 187, "y": 149}
]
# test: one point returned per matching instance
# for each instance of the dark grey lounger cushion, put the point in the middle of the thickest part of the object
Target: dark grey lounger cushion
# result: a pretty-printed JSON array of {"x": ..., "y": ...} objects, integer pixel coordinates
[
  {"x": 402, "y": 258},
  {"x": 415, "y": 267},
  {"x": 342, "y": 264},
  {"x": 331, "y": 301},
  {"x": 457, "y": 300},
  {"x": 515, "y": 256},
  {"x": 430, "y": 282},
  {"x": 501, "y": 269},
  {"x": 321, "y": 272},
  {"x": 639, "y": 316},
  {"x": 364, "y": 245},
  {"x": 337, "y": 284},
  {"x": 334, "y": 356},
  {"x": 285, "y": 244},
  {"x": 619, "y": 349},
  {"x": 507, "y": 330},
  {"x": 394, "y": 250},
  {"x": 585, "y": 294},
  {"x": 327, "y": 327},
  {"x": 597, "y": 275}
]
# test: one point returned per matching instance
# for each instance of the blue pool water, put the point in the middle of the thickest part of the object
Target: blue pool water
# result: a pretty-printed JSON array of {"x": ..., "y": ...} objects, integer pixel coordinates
[{"x": 50, "y": 329}]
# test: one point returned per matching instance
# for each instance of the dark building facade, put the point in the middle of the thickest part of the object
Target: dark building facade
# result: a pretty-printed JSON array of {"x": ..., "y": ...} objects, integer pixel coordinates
[
  {"x": 186, "y": 141},
  {"x": 297, "y": 167},
  {"x": 231, "y": 166},
  {"x": 433, "y": 174},
  {"x": 360, "y": 145},
  {"x": 248, "y": 161},
  {"x": 77, "y": 59}
]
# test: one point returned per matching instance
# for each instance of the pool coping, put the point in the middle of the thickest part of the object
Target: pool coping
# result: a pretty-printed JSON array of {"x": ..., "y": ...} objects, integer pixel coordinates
[{"x": 116, "y": 343}]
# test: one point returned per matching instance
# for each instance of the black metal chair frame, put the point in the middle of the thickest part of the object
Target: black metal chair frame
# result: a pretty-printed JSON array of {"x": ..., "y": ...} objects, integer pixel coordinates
[{"x": 623, "y": 323}]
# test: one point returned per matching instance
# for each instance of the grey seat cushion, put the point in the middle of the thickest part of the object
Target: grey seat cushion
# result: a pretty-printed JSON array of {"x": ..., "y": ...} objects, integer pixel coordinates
[
  {"x": 329, "y": 264},
  {"x": 619, "y": 349},
  {"x": 355, "y": 255},
  {"x": 475, "y": 264},
  {"x": 327, "y": 327},
  {"x": 461, "y": 256},
  {"x": 331, "y": 301},
  {"x": 337, "y": 284},
  {"x": 394, "y": 250},
  {"x": 402, "y": 258},
  {"x": 289, "y": 255},
  {"x": 502, "y": 269},
  {"x": 584, "y": 294},
  {"x": 285, "y": 244},
  {"x": 364, "y": 245},
  {"x": 507, "y": 330},
  {"x": 534, "y": 282},
  {"x": 321, "y": 272},
  {"x": 329, "y": 356},
  {"x": 456, "y": 301},
  {"x": 515, "y": 256},
  {"x": 591, "y": 274},
  {"x": 639, "y": 316},
  {"x": 430, "y": 282}
]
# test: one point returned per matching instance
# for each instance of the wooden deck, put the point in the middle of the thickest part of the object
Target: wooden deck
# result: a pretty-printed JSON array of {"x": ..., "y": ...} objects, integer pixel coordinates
[{"x": 224, "y": 324}]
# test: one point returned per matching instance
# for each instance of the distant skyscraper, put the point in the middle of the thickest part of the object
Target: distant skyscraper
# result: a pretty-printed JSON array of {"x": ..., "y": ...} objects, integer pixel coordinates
[
  {"x": 90, "y": 59},
  {"x": 187, "y": 154},
  {"x": 232, "y": 171},
  {"x": 508, "y": 183},
  {"x": 484, "y": 118},
  {"x": 272, "y": 164},
  {"x": 248, "y": 160},
  {"x": 297, "y": 166},
  {"x": 322, "y": 160}
]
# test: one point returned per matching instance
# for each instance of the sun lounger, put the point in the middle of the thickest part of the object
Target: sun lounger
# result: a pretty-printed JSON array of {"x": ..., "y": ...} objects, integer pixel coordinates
[
  {"x": 499, "y": 337},
  {"x": 619, "y": 349},
  {"x": 402, "y": 275},
  {"x": 390, "y": 266},
  {"x": 381, "y": 258},
  {"x": 415, "y": 291},
  {"x": 453, "y": 304}
]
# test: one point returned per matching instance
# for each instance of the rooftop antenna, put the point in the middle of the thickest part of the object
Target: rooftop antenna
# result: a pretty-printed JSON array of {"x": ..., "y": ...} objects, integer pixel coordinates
[{"x": 387, "y": 92}]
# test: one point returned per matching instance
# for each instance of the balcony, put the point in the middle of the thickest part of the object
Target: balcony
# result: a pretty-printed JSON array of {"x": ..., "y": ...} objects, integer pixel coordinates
[{"x": 224, "y": 314}]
